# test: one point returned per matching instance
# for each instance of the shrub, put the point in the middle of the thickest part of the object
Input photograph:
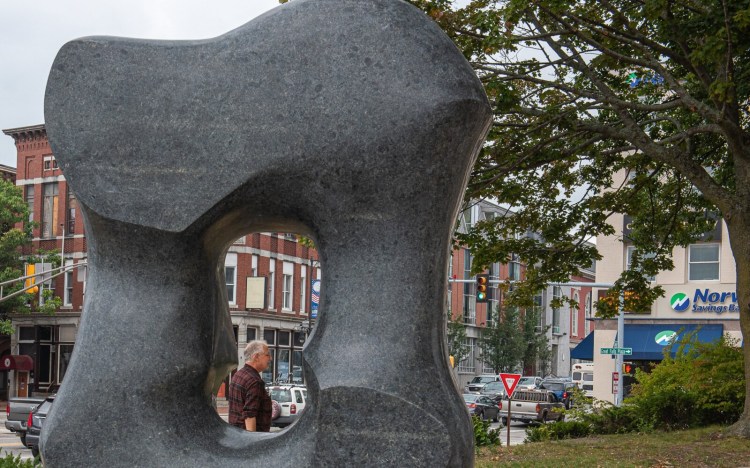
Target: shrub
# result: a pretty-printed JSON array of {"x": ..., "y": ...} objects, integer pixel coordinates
[
  {"x": 483, "y": 435},
  {"x": 605, "y": 418},
  {"x": 703, "y": 384},
  {"x": 558, "y": 430},
  {"x": 14, "y": 461}
]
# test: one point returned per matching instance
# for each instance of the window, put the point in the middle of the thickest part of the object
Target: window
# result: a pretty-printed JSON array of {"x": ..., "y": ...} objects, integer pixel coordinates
[
  {"x": 251, "y": 334},
  {"x": 254, "y": 266},
  {"x": 539, "y": 310},
  {"x": 704, "y": 262},
  {"x": 230, "y": 272},
  {"x": 68, "y": 296},
  {"x": 629, "y": 257},
  {"x": 302, "y": 289},
  {"x": 49, "y": 210},
  {"x": 574, "y": 317},
  {"x": 71, "y": 215},
  {"x": 65, "y": 351},
  {"x": 469, "y": 299},
  {"x": 467, "y": 365},
  {"x": 514, "y": 268},
  {"x": 30, "y": 201},
  {"x": 272, "y": 284},
  {"x": 286, "y": 286},
  {"x": 587, "y": 312},
  {"x": 556, "y": 294},
  {"x": 50, "y": 163}
]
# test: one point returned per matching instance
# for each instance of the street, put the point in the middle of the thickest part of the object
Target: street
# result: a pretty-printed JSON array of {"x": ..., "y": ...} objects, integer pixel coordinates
[{"x": 10, "y": 442}]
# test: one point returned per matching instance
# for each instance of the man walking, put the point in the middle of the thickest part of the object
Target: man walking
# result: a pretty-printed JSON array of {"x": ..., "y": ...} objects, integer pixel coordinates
[{"x": 249, "y": 404}]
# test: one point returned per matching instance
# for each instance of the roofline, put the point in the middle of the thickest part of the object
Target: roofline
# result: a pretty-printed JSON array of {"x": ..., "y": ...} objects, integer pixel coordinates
[{"x": 15, "y": 132}]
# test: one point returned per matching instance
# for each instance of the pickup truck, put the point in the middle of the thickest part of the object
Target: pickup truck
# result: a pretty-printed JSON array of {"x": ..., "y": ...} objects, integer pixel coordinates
[
  {"x": 17, "y": 414},
  {"x": 533, "y": 406}
]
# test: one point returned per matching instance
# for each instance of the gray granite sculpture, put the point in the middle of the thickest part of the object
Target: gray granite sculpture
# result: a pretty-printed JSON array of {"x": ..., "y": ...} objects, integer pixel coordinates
[{"x": 354, "y": 122}]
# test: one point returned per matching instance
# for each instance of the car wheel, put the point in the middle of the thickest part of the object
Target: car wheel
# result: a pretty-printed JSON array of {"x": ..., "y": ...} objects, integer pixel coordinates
[
  {"x": 23, "y": 440},
  {"x": 35, "y": 451},
  {"x": 497, "y": 417},
  {"x": 505, "y": 421}
]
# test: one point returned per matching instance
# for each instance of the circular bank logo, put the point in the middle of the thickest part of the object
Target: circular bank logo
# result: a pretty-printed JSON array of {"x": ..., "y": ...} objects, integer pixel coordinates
[
  {"x": 680, "y": 302},
  {"x": 665, "y": 337}
]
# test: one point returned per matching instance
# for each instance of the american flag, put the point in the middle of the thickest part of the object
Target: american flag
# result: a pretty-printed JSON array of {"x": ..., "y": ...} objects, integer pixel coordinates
[{"x": 315, "y": 299}]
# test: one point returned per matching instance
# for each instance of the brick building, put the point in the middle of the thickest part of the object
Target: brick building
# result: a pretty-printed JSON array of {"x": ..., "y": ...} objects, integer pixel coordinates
[
  {"x": 564, "y": 328},
  {"x": 268, "y": 276}
]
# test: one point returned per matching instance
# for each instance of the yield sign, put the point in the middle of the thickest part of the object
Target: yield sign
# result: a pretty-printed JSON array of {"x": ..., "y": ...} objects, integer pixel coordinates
[{"x": 510, "y": 381}]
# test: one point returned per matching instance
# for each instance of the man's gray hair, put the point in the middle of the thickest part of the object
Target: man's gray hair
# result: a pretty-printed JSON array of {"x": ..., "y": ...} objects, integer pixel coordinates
[{"x": 253, "y": 348}]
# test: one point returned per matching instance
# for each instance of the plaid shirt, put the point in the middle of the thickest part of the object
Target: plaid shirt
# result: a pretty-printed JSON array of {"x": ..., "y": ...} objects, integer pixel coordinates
[{"x": 248, "y": 399}]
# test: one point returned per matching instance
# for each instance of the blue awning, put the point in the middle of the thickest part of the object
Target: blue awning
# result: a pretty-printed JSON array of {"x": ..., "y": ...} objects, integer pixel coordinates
[
  {"x": 585, "y": 349},
  {"x": 648, "y": 340}
]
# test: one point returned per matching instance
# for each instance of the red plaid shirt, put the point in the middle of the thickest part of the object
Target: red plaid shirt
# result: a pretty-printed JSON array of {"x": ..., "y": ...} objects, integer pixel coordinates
[{"x": 248, "y": 399}]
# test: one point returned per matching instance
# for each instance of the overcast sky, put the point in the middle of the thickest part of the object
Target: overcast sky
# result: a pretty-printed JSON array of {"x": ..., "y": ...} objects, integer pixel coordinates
[{"x": 32, "y": 32}]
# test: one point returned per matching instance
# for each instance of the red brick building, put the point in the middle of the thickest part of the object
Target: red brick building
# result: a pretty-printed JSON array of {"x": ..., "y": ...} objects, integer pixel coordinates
[{"x": 269, "y": 278}]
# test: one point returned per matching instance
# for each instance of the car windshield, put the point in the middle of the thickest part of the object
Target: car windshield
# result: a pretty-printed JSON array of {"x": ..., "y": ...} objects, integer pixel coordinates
[
  {"x": 281, "y": 395},
  {"x": 44, "y": 408},
  {"x": 526, "y": 381},
  {"x": 470, "y": 397},
  {"x": 492, "y": 386},
  {"x": 555, "y": 386}
]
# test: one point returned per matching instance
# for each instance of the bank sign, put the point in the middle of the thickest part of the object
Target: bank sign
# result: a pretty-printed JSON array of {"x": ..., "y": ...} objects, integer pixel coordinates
[{"x": 705, "y": 301}]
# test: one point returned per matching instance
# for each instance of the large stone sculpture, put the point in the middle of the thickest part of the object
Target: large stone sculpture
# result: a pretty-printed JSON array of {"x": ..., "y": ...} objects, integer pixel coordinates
[{"x": 354, "y": 122}]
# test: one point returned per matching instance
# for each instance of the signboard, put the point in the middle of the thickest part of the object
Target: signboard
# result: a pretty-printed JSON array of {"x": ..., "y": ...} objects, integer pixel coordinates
[
  {"x": 314, "y": 298},
  {"x": 615, "y": 381},
  {"x": 509, "y": 382},
  {"x": 626, "y": 351}
]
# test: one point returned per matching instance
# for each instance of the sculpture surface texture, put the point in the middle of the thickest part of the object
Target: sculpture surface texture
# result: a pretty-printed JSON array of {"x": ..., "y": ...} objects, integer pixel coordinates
[{"x": 352, "y": 122}]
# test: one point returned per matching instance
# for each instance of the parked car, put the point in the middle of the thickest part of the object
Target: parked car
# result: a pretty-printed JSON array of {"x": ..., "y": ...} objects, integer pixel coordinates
[
  {"x": 291, "y": 399},
  {"x": 482, "y": 406},
  {"x": 35, "y": 422},
  {"x": 494, "y": 390},
  {"x": 533, "y": 406},
  {"x": 562, "y": 388},
  {"x": 475, "y": 385},
  {"x": 529, "y": 382},
  {"x": 17, "y": 415}
]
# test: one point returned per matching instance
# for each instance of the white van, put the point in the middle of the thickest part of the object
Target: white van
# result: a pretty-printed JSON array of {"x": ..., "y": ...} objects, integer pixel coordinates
[{"x": 583, "y": 376}]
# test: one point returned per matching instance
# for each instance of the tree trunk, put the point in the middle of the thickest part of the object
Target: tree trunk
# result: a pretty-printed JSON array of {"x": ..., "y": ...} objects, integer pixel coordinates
[{"x": 738, "y": 229}]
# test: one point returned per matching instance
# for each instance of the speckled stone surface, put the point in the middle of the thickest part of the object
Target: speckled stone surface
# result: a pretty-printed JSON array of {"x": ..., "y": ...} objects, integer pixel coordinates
[{"x": 354, "y": 122}]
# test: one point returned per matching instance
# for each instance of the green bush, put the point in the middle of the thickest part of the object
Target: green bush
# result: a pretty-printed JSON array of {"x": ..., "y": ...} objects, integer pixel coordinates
[
  {"x": 703, "y": 384},
  {"x": 14, "y": 461},
  {"x": 483, "y": 435},
  {"x": 609, "y": 419},
  {"x": 558, "y": 430}
]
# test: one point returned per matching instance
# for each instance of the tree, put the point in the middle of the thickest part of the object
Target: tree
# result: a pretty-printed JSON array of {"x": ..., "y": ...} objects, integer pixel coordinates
[
  {"x": 537, "y": 348},
  {"x": 583, "y": 90},
  {"x": 14, "y": 211},
  {"x": 502, "y": 342},
  {"x": 457, "y": 339}
]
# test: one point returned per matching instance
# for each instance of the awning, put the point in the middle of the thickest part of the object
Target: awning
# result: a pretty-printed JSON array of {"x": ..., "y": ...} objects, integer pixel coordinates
[
  {"x": 21, "y": 362},
  {"x": 585, "y": 349},
  {"x": 648, "y": 341}
]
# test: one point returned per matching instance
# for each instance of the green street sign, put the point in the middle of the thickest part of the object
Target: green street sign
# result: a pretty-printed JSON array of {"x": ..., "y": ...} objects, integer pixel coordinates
[{"x": 626, "y": 351}]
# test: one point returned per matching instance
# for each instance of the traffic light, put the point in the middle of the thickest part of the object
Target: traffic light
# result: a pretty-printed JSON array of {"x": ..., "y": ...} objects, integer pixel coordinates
[
  {"x": 30, "y": 270},
  {"x": 628, "y": 368},
  {"x": 483, "y": 288}
]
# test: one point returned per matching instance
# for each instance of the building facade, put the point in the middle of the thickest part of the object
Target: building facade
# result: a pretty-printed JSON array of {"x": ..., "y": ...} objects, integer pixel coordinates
[
  {"x": 699, "y": 296},
  {"x": 269, "y": 279},
  {"x": 563, "y": 326}
]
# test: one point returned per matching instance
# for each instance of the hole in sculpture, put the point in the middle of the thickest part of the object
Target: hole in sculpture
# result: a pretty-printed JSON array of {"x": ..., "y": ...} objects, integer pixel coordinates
[{"x": 273, "y": 292}]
